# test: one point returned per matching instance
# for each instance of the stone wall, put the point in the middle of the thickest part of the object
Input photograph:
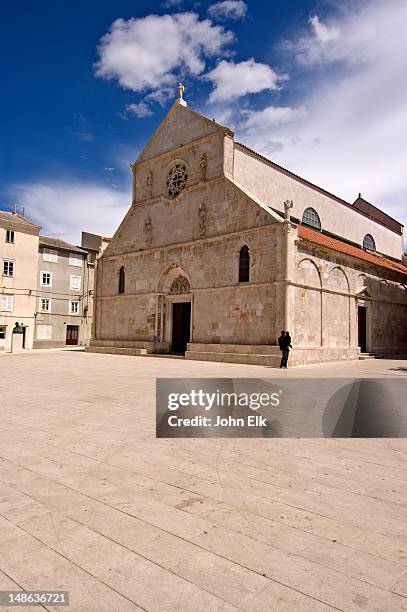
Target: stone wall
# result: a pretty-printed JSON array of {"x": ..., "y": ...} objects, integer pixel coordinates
[
  {"x": 273, "y": 187},
  {"x": 326, "y": 298}
]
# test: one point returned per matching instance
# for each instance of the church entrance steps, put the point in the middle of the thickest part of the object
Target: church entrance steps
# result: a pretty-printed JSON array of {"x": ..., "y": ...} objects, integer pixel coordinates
[
  {"x": 367, "y": 356},
  {"x": 245, "y": 358},
  {"x": 246, "y": 349},
  {"x": 148, "y": 347},
  {"x": 116, "y": 350},
  {"x": 136, "y": 344}
]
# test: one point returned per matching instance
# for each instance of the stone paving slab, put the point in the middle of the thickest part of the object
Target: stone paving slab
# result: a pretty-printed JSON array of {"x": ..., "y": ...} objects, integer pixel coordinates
[{"x": 92, "y": 503}]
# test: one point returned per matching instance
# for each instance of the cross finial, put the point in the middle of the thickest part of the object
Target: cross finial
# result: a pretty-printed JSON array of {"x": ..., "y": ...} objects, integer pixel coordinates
[{"x": 181, "y": 90}]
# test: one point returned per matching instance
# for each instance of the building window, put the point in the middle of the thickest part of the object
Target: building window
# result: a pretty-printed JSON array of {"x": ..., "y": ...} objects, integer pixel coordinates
[
  {"x": 50, "y": 255},
  {"x": 7, "y": 302},
  {"x": 122, "y": 280},
  {"x": 46, "y": 279},
  {"x": 3, "y": 330},
  {"x": 75, "y": 283},
  {"x": 8, "y": 267},
  {"x": 244, "y": 264},
  {"x": 44, "y": 332},
  {"x": 10, "y": 236},
  {"x": 369, "y": 243},
  {"x": 45, "y": 305},
  {"x": 74, "y": 307},
  {"x": 75, "y": 259},
  {"x": 311, "y": 218}
]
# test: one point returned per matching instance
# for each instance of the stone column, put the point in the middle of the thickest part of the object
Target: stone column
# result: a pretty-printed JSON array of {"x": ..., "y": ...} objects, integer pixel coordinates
[{"x": 286, "y": 252}]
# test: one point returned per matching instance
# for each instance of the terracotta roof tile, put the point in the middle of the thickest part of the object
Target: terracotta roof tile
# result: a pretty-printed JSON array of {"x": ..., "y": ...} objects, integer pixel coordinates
[{"x": 348, "y": 249}]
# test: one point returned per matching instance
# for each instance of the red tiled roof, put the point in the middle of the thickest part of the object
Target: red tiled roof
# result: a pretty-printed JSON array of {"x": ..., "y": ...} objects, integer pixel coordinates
[{"x": 348, "y": 249}]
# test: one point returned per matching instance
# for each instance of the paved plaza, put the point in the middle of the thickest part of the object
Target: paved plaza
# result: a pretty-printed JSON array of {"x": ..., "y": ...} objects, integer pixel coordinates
[{"x": 92, "y": 503}]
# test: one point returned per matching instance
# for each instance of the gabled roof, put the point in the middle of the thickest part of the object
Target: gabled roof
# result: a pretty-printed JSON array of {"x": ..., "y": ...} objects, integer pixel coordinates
[
  {"x": 190, "y": 124},
  {"x": 342, "y": 247},
  {"x": 57, "y": 243},
  {"x": 17, "y": 219},
  {"x": 376, "y": 214},
  {"x": 379, "y": 216}
]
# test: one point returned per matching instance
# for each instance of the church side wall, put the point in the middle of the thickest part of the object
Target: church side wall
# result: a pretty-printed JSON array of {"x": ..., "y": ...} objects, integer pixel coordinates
[
  {"x": 324, "y": 304},
  {"x": 274, "y": 187}
]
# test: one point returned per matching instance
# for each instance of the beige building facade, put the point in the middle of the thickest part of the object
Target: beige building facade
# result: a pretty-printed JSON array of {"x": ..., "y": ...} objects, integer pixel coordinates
[
  {"x": 221, "y": 249},
  {"x": 47, "y": 286},
  {"x": 18, "y": 258}
]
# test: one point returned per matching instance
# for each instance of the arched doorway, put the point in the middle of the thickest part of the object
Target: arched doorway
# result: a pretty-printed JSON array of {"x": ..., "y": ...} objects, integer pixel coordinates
[
  {"x": 180, "y": 315},
  {"x": 175, "y": 318}
]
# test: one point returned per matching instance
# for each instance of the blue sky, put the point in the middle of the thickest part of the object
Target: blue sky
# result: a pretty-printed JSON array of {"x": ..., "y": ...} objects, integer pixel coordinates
[{"x": 318, "y": 86}]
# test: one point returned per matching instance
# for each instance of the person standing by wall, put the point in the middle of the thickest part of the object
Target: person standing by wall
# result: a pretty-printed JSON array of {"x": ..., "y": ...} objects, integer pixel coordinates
[
  {"x": 281, "y": 344},
  {"x": 286, "y": 349}
]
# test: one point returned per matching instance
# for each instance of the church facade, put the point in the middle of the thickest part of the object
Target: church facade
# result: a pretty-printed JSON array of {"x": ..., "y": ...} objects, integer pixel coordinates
[{"x": 221, "y": 249}]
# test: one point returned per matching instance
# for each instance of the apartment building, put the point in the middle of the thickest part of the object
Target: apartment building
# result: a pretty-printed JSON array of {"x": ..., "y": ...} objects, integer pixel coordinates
[
  {"x": 64, "y": 285},
  {"x": 19, "y": 239},
  {"x": 46, "y": 285}
]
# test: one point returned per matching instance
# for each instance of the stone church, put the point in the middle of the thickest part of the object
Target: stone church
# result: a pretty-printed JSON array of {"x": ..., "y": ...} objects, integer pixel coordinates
[{"x": 221, "y": 249}]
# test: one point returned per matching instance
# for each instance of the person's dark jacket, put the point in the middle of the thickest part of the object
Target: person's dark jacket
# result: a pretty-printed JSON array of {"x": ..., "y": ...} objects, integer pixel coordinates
[
  {"x": 281, "y": 342},
  {"x": 287, "y": 342}
]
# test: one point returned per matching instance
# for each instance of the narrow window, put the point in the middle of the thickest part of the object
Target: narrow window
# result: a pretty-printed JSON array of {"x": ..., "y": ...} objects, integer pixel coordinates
[
  {"x": 45, "y": 305},
  {"x": 311, "y": 218},
  {"x": 75, "y": 259},
  {"x": 10, "y": 236},
  {"x": 369, "y": 243},
  {"x": 50, "y": 255},
  {"x": 3, "y": 329},
  {"x": 244, "y": 264},
  {"x": 122, "y": 280},
  {"x": 74, "y": 307},
  {"x": 46, "y": 279},
  {"x": 7, "y": 302},
  {"x": 75, "y": 283},
  {"x": 44, "y": 332},
  {"x": 8, "y": 267}
]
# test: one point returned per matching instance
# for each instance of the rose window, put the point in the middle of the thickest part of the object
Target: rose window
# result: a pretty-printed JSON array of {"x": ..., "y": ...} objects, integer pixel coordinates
[{"x": 176, "y": 180}]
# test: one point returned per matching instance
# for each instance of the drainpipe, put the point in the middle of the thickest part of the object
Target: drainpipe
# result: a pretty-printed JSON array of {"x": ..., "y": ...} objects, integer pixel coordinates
[{"x": 288, "y": 260}]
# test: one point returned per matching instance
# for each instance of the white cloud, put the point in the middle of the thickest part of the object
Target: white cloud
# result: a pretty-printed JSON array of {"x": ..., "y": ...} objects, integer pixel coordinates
[
  {"x": 271, "y": 116},
  {"x": 322, "y": 31},
  {"x": 235, "y": 80},
  {"x": 64, "y": 208},
  {"x": 140, "y": 110},
  {"x": 172, "y": 3},
  {"x": 147, "y": 53},
  {"x": 228, "y": 9},
  {"x": 353, "y": 137}
]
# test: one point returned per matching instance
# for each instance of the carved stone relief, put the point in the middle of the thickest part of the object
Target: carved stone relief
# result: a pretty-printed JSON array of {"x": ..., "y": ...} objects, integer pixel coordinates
[
  {"x": 147, "y": 231},
  {"x": 180, "y": 285}
]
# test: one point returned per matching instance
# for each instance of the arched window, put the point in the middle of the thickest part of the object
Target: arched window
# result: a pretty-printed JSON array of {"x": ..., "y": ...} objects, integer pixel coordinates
[
  {"x": 311, "y": 218},
  {"x": 369, "y": 243},
  {"x": 122, "y": 280},
  {"x": 244, "y": 264}
]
